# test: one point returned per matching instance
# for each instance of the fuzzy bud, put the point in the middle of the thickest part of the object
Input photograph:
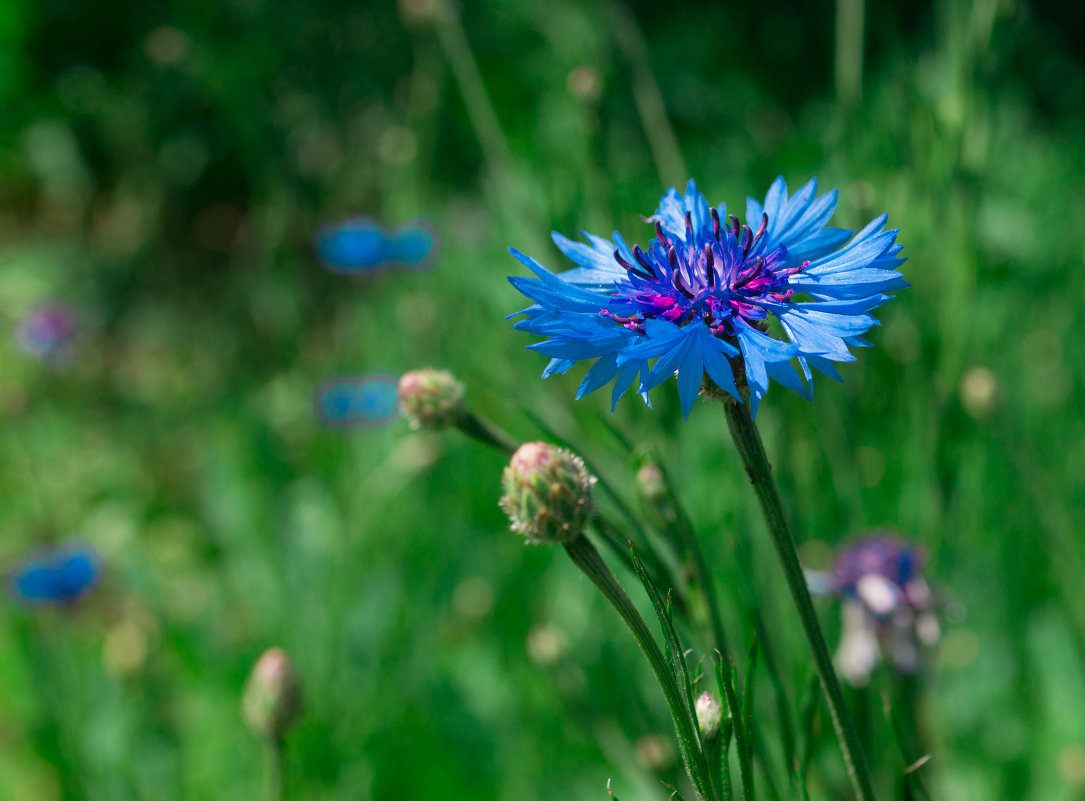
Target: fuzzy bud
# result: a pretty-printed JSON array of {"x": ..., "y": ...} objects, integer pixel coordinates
[
  {"x": 548, "y": 493},
  {"x": 431, "y": 398},
  {"x": 272, "y": 698},
  {"x": 709, "y": 715}
]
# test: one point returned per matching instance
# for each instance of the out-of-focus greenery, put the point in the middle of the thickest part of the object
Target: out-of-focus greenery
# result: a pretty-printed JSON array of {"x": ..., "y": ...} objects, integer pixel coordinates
[{"x": 162, "y": 169}]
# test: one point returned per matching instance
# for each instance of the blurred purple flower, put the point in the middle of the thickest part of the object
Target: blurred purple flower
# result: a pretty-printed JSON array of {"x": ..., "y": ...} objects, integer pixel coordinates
[
  {"x": 48, "y": 334},
  {"x": 888, "y": 609}
]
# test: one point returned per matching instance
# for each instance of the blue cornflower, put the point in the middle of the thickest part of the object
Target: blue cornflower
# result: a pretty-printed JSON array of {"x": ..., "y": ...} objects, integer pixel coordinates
[{"x": 709, "y": 290}]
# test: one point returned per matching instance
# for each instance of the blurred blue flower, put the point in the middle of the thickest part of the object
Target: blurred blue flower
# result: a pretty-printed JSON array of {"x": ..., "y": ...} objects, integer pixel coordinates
[
  {"x": 48, "y": 334},
  {"x": 368, "y": 400},
  {"x": 709, "y": 290},
  {"x": 56, "y": 576},
  {"x": 361, "y": 246}
]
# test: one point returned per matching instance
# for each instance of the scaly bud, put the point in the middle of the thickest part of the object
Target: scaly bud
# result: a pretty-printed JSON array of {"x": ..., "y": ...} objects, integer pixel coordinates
[
  {"x": 272, "y": 698},
  {"x": 548, "y": 493},
  {"x": 709, "y": 715},
  {"x": 431, "y": 398}
]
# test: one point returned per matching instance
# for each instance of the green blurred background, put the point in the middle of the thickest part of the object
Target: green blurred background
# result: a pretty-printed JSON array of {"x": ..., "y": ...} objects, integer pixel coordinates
[{"x": 163, "y": 167}]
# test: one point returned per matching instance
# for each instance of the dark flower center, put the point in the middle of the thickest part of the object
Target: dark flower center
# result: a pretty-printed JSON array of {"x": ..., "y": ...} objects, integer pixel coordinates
[{"x": 718, "y": 274}]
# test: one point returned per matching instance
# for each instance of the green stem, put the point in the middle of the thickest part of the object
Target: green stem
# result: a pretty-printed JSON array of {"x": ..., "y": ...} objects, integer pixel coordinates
[
  {"x": 584, "y": 556},
  {"x": 748, "y": 441},
  {"x": 486, "y": 432},
  {"x": 276, "y": 784}
]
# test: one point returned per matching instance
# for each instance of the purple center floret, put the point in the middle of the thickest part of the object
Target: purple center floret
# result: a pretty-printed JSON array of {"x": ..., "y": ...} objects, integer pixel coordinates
[{"x": 711, "y": 277}]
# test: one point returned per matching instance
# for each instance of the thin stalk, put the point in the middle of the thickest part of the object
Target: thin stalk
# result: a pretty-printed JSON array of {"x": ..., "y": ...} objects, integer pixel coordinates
[
  {"x": 648, "y": 97},
  {"x": 748, "y": 441},
  {"x": 584, "y": 556},
  {"x": 688, "y": 550},
  {"x": 457, "y": 49},
  {"x": 276, "y": 773},
  {"x": 724, "y": 672},
  {"x": 486, "y": 432},
  {"x": 849, "y": 51},
  {"x": 727, "y": 730}
]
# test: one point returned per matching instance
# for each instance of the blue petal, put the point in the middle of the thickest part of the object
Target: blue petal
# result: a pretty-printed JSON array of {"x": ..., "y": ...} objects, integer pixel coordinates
[
  {"x": 719, "y": 370},
  {"x": 557, "y": 367},
  {"x": 690, "y": 375},
  {"x": 776, "y": 197},
  {"x": 697, "y": 207},
  {"x": 817, "y": 245},
  {"x": 597, "y": 264},
  {"x": 600, "y": 373},
  {"x": 627, "y": 373},
  {"x": 757, "y": 350},
  {"x": 671, "y": 213}
]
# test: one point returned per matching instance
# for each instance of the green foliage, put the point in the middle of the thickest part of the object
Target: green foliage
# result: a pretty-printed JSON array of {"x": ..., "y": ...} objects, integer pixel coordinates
[{"x": 163, "y": 168}]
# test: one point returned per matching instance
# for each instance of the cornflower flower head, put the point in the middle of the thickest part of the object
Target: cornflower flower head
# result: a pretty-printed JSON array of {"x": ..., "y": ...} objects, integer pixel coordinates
[{"x": 710, "y": 296}]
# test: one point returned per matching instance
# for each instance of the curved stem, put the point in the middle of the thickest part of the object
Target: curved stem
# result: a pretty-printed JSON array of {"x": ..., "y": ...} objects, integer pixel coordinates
[
  {"x": 585, "y": 557},
  {"x": 748, "y": 441}
]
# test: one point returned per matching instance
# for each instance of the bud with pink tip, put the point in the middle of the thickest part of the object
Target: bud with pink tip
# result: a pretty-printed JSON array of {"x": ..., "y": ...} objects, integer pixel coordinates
[
  {"x": 431, "y": 398},
  {"x": 272, "y": 698},
  {"x": 548, "y": 493}
]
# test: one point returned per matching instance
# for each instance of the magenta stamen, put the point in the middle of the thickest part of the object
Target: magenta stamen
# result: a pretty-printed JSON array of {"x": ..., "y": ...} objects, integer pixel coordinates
[
  {"x": 635, "y": 271},
  {"x": 638, "y": 254},
  {"x": 734, "y": 224},
  {"x": 661, "y": 236},
  {"x": 762, "y": 227},
  {"x": 749, "y": 275},
  {"x": 709, "y": 262},
  {"x": 747, "y": 240},
  {"x": 715, "y": 223}
]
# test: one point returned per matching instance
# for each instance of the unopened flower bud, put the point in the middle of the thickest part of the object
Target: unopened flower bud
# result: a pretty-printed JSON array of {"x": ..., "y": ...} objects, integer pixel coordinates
[
  {"x": 709, "y": 715},
  {"x": 651, "y": 485},
  {"x": 272, "y": 698},
  {"x": 431, "y": 398},
  {"x": 655, "y": 498},
  {"x": 548, "y": 493}
]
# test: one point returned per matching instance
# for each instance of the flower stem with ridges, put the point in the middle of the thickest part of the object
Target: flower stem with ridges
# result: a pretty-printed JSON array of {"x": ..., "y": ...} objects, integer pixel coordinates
[{"x": 748, "y": 441}]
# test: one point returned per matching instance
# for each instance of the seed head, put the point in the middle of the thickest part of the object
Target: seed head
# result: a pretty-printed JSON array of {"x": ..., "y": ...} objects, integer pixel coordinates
[{"x": 548, "y": 493}]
